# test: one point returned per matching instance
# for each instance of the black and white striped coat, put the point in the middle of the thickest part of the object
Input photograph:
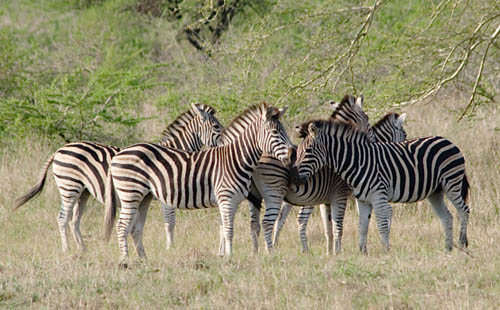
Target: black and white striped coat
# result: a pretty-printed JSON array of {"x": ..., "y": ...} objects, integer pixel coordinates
[
  {"x": 337, "y": 192},
  {"x": 272, "y": 181},
  {"x": 80, "y": 168},
  {"x": 216, "y": 177},
  {"x": 380, "y": 173}
]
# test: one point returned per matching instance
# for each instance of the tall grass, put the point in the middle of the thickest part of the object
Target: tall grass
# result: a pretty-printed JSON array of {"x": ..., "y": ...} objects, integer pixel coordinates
[{"x": 416, "y": 273}]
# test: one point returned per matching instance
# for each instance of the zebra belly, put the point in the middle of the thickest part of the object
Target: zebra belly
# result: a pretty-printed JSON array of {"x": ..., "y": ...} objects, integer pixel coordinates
[{"x": 318, "y": 189}]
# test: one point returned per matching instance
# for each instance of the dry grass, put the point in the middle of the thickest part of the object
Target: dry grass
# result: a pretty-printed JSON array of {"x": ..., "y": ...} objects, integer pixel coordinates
[{"x": 417, "y": 273}]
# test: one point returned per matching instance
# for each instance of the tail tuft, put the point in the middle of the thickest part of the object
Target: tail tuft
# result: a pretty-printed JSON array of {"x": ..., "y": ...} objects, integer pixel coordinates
[
  {"x": 465, "y": 189},
  {"x": 110, "y": 207},
  {"x": 35, "y": 190}
]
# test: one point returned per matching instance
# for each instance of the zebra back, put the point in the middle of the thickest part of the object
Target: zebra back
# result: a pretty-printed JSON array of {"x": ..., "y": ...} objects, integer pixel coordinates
[
  {"x": 239, "y": 124},
  {"x": 410, "y": 170},
  {"x": 82, "y": 165},
  {"x": 193, "y": 129}
]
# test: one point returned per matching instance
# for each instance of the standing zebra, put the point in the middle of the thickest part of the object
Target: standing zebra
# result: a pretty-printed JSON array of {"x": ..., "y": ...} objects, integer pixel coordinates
[
  {"x": 80, "y": 168},
  {"x": 380, "y": 173},
  {"x": 387, "y": 129},
  {"x": 325, "y": 187},
  {"x": 216, "y": 177}
]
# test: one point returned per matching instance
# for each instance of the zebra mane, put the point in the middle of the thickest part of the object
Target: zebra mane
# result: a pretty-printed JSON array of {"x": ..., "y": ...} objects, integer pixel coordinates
[
  {"x": 346, "y": 102},
  {"x": 347, "y": 106},
  {"x": 182, "y": 120},
  {"x": 335, "y": 125},
  {"x": 242, "y": 121},
  {"x": 388, "y": 118}
]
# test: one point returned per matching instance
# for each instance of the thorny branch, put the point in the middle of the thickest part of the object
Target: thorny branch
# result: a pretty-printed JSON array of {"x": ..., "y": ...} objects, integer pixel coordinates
[
  {"x": 348, "y": 54},
  {"x": 480, "y": 71},
  {"x": 474, "y": 40}
]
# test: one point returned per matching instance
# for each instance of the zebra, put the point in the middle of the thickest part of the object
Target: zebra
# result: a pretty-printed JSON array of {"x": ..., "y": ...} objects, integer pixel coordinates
[
  {"x": 271, "y": 180},
  {"x": 380, "y": 173},
  {"x": 216, "y": 177},
  {"x": 387, "y": 129},
  {"x": 80, "y": 168}
]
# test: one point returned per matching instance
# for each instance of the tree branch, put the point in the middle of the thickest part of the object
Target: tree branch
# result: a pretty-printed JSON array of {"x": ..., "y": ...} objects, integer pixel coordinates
[
  {"x": 349, "y": 54},
  {"x": 480, "y": 71},
  {"x": 434, "y": 89}
]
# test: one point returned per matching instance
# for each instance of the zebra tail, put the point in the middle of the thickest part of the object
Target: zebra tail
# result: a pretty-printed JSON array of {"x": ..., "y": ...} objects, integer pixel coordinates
[
  {"x": 465, "y": 189},
  {"x": 35, "y": 190},
  {"x": 110, "y": 207}
]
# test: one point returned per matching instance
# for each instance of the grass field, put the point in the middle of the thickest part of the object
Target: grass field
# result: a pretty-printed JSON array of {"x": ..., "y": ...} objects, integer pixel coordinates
[
  {"x": 416, "y": 273},
  {"x": 101, "y": 70}
]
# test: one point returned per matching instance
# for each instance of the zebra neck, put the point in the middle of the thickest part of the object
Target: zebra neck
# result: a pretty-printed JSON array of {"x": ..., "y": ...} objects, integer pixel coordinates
[
  {"x": 244, "y": 152},
  {"x": 352, "y": 160},
  {"x": 381, "y": 134},
  {"x": 183, "y": 143}
]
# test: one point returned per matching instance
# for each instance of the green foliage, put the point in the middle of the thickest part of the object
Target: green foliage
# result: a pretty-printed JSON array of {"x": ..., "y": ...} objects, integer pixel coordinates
[
  {"x": 76, "y": 105},
  {"x": 62, "y": 60}
]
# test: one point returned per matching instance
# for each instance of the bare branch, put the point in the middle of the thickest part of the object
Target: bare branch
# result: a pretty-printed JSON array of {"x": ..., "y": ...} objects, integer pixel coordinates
[
  {"x": 434, "y": 89},
  {"x": 348, "y": 54},
  {"x": 108, "y": 100},
  {"x": 480, "y": 71}
]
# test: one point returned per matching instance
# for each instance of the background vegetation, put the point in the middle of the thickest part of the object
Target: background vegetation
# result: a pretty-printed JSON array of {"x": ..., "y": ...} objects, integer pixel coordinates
[{"x": 117, "y": 71}]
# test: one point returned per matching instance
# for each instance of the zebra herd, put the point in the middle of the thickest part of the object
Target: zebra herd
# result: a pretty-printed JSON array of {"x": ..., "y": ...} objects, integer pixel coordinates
[{"x": 254, "y": 159}]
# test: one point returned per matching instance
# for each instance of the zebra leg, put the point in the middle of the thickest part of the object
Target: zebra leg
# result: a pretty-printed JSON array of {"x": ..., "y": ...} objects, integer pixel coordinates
[
  {"x": 338, "y": 203},
  {"x": 138, "y": 225},
  {"x": 326, "y": 216},
  {"x": 76, "y": 219},
  {"x": 228, "y": 208},
  {"x": 439, "y": 206},
  {"x": 169, "y": 222},
  {"x": 338, "y": 212},
  {"x": 383, "y": 213},
  {"x": 222, "y": 242},
  {"x": 127, "y": 214},
  {"x": 273, "y": 207},
  {"x": 254, "y": 225},
  {"x": 364, "y": 212},
  {"x": 66, "y": 211},
  {"x": 285, "y": 209},
  {"x": 302, "y": 219},
  {"x": 463, "y": 212}
]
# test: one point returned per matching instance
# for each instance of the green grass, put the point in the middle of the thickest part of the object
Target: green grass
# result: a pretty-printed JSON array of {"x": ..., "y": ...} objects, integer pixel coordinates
[{"x": 416, "y": 273}]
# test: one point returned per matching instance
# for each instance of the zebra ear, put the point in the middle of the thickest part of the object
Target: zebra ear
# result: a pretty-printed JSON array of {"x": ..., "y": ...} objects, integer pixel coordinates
[
  {"x": 272, "y": 112},
  {"x": 400, "y": 120},
  {"x": 199, "y": 111},
  {"x": 334, "y": 105},
  {"x": 282, "y": 111},
  {"x": 313, "y": 130},
  {"x": 359, "y": 101}
]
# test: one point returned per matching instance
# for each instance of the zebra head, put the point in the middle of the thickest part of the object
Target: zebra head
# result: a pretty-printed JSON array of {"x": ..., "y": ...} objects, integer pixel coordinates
[
  {"x": 311, "y": 152},
  {"x": 350, "y": 110},
  {"x": 209, "y": 128},
  {"x": 273, "y": 138},
  {"x": 390, "y": 128}
]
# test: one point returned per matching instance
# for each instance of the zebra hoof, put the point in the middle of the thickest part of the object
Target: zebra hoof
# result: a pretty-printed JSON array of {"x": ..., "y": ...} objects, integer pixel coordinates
[
  {"x": 123, "y": 266},
  {"x": 463, "y": 241}
]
